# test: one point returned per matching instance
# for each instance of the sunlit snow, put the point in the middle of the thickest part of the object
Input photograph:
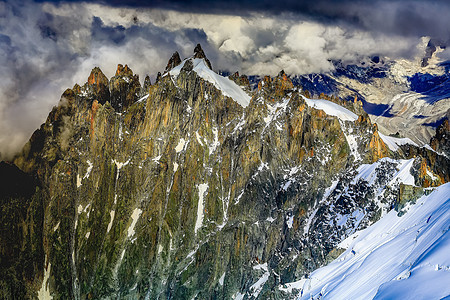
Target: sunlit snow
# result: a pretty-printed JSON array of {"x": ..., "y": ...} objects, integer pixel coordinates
[
  {"x": 225, "y": 85},
  {"x": 332, "y": 109},
  {"x": 135, "y": 216},
  {"x": 201, "y": 193},
  {"x": 393, "y": 143},
  {"x": 396, "y": 258}
]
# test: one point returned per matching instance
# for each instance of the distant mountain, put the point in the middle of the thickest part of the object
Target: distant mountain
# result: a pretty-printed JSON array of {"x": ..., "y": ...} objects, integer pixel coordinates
[
  {"x": 411, "y": 98},
  {"x": 200, "y": 186}
]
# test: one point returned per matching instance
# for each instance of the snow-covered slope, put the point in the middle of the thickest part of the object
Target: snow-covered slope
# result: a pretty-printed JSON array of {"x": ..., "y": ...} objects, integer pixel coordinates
[
  {"x": 227, "y": 86},
  {"x": 396, "y": 258},
  {"x": 393, "y": 143},
  {"x": 332, "y": 109}
]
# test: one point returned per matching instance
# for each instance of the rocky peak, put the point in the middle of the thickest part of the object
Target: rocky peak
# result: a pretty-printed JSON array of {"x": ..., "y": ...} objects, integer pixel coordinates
[
  {"x": 146, "y": 86},
  {"x": 97, "y": 86},
  {"x": 282, "y": 83},
  {"x": 241, "y": 80},
  {"x": 97, "y": 77},
  {"x": 125, "y": 88},
  {"x": 199, "y": 53},
  {"x": 158, "y": 77},
  {"x": 174, "y": 61},
  {"x": 123, "y": 71}
]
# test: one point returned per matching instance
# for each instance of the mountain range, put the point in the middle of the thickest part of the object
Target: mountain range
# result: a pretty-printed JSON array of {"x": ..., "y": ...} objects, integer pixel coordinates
[{"x": 201, "y": 186}]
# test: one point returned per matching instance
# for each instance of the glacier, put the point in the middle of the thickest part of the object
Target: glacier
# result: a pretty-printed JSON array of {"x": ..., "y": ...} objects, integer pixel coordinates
[{"x": 396, "y": 258}]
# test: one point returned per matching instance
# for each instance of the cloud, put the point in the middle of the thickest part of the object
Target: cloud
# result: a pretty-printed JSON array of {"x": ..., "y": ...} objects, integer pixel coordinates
[{"x": 47, "y": 47}]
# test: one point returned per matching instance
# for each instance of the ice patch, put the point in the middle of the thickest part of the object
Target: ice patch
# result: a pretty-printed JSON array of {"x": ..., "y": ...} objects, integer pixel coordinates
[
  {"x": 222, "y": 278},
  {"x": 216, "y": 143},
  {"x": 404, "y": 173},
  {"x": 143, "y": 98},
  {"x": 44, "y": 293},
  {"x": 89, "y": 169},
  {"x": 431, "y": 175},
  {"x": 351, "y": 140},
  {"x": 119, "y": 164},
  {"x": 87, "y": 234},
  {"x": 289, "y": 287},
  {"x": 175, "y": 167},
  {"x": 56, "y": 227},
  {"x": 238, "y": 296},
  {"x": 368, "y": 172},
  {"x": 156, "y": 159},
  {"x": 256, "y": 288},
  {"x": 78, "y": 180},
  {"x": 111, "y": 214},
  {"x": 135, "y": 216},
  {"x": 270, "y": 219},
  {"x": 86, "y": 175},
  {"x": 290, "y": 221},
  {"x": 180, "y": 145},
  {"x": 201, "y": 193}
]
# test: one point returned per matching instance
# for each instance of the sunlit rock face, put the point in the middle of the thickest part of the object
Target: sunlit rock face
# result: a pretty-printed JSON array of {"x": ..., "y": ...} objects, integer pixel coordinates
[{"x": 180, "y": 191}]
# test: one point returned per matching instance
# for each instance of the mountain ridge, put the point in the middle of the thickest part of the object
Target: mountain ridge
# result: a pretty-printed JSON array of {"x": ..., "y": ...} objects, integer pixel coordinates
[{"x": 183, "y": 192}]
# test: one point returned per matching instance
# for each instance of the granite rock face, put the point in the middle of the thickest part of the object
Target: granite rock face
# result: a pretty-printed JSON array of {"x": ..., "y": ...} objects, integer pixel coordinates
[{"x": 186, "y": 194}]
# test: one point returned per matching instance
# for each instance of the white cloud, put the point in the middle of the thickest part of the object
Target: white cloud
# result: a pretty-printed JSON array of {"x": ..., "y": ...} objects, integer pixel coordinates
[{"x": 46, "y": 48}]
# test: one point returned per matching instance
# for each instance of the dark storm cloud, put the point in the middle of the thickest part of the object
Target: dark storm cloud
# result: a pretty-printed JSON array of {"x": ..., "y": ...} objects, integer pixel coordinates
[{"x": 402, "y": 17}]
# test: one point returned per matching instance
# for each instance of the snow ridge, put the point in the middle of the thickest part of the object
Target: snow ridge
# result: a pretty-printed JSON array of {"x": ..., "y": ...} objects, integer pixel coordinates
[
  {"x": 331, "y": 108},
  {"x": 228, "y": 87}
]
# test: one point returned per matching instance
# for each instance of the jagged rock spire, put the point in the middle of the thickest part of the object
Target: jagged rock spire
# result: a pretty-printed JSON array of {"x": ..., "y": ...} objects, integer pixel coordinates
[
  {"x": 147, "y": 84},
  {"x": 97, "y": 77},
  {"x": 158, "y": 77},
  {"x": 174, "y": 61},
  {"x": 123, "y": 71},
  {"x": 124, "y": 87},
  {"x": 98, "y": 84},
  {"x": 199, "y": 53}
]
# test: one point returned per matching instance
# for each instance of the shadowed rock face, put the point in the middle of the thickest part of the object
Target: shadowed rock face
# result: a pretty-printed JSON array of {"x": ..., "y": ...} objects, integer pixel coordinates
[
  {"x": 21, "y": 244},
  {"x": 174, "y": 61},
  {"x": 189, "y": 194},
  {"x": 198, "y": 53},
  {"x": 125, "y": 88}
]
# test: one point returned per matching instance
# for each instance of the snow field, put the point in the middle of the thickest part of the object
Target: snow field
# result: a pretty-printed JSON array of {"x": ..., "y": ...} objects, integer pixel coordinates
[{"x": 395, "y": 258}]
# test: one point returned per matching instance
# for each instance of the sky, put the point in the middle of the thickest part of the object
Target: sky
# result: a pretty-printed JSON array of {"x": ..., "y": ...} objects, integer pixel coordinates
[{"x": 48, "y": 46}]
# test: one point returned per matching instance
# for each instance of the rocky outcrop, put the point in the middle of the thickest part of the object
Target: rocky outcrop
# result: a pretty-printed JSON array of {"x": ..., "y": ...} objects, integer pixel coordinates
[
  {"x": 198, "y": 53},
  {"x": 441, "y": 141},
  {"x": 125, "y": 88},
  {"x": 241, "y": 81},
  {"x": 146, "y": 87},
  {"x": 174, "y": 61},
  {"x": 97, "y": 86}
]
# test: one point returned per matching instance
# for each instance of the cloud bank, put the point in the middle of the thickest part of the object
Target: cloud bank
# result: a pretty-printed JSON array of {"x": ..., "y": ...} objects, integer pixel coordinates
[{"x": 46, "y": 47}]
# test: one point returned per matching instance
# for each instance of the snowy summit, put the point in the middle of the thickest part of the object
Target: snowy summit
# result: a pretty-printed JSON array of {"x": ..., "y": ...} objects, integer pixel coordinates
[{"x": 225, "y": 85}]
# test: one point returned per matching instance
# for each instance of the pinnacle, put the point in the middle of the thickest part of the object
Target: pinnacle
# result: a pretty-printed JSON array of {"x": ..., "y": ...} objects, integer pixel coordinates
[
  {"x": 123, "y": 71},
  {"x": 97, "y": 77},
  {"x": 173, "y": 61},
  {"x": 199, "y": 53}
]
